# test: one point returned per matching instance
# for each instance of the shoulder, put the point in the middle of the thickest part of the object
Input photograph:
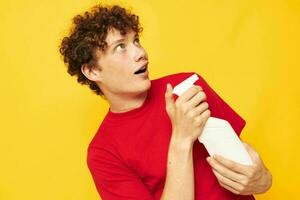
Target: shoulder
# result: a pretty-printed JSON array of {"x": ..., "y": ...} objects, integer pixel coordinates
[
  {"x": 100, "y": 149},
  {"x": 100, "y": 140},
  {"x": 176, "y": 78}
]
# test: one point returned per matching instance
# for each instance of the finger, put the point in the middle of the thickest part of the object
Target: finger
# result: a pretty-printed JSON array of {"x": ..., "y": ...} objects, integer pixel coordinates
[
  {"x": 187, "y": 95},
  {"x": 229, "y": 188},
  {"x": 206, "y": 115},
  {"x": 196, "y": 99},
  {"x": 199, "y": 109},
  {"x": 234, "y": 166},
  {"x": 224, "y": 181},
  {"x": 169, "y": 97},
  {"x": 202, "y": 118},
  {"x": 232, "y": 175}
]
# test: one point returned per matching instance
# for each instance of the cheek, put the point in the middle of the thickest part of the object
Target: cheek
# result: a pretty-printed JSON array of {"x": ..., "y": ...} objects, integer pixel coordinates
[
  {"x": 119, "y": 79},
  {"x": 117, "y": 65}
]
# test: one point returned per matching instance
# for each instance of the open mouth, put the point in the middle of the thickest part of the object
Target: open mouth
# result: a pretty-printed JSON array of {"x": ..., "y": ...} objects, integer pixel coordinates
[{"x": 142, "y": 70}]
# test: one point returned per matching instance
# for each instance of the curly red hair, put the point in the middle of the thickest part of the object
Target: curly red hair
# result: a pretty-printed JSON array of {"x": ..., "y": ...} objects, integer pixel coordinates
[{"x": 89, "y": 33}]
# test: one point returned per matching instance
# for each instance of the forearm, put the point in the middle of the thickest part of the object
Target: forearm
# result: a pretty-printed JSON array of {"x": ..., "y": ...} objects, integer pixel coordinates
[{"x": 179, "y": 182}]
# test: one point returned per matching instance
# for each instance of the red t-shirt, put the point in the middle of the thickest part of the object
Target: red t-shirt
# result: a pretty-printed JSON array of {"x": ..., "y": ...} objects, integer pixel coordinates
[{"x": 128, "y": 155}]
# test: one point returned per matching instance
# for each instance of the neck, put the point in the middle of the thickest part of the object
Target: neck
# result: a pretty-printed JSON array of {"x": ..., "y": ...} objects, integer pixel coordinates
[{"x": 119, "y": 103}]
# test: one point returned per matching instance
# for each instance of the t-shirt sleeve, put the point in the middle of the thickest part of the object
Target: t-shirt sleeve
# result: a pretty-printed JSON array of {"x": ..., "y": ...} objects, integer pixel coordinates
[
  {"x": 113, "y": 179},
  {"x": 220, "y": 109}
]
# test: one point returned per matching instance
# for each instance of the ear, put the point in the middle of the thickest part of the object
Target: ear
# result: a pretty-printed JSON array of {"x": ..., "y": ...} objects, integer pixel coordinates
[{"x": 91, "y": 73}]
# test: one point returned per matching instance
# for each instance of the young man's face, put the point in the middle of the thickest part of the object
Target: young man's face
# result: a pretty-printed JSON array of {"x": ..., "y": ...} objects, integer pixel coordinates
[{"x": 120, "y": 64}]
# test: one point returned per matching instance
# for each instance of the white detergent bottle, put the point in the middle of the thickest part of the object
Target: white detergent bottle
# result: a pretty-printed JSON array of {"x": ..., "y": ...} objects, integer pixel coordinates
[{"x": 218, "y": 136}]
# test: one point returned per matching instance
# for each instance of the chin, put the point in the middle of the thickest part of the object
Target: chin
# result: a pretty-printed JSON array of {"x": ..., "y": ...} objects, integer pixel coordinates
[{"x": 147, "y": 85}]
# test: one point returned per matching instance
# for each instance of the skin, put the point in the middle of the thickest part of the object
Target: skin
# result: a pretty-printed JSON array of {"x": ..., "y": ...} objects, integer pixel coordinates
[
  {"x": 242, "y": 179},
  {"x": 188, "y": 116},
  {"x": 113, "y": 71}
]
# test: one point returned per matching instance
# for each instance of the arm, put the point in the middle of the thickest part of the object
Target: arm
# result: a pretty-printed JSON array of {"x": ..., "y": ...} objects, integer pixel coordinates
[
  {"x": 112, "y": 178},
  {"x": 188, "y": 116},
  {"x": 239, "y": 179},
  {"x": 180, "y": 172},
  {"x": 242, "y": 179},
  {"x": 114, "y": 181}
]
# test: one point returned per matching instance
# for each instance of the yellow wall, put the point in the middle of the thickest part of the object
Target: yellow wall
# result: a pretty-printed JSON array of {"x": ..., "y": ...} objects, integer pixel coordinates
[{"x": 247, "y": 50}]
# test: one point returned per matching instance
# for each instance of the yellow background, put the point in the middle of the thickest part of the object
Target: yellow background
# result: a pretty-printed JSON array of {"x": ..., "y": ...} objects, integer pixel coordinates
[{"x": 248, "y": 51}]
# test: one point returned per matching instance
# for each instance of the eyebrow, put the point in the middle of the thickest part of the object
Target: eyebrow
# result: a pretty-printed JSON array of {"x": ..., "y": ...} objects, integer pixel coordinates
[
  {"x": 121, "y": 40},
  {"x": 117, "y": 41}
]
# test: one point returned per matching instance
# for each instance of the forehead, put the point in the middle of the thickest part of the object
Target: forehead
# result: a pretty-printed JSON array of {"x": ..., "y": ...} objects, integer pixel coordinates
[{"x": 114, "y": 34}]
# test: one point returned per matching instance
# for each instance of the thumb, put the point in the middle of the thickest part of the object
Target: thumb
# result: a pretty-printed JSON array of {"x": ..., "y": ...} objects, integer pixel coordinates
[{"x": 169, "y": 96}]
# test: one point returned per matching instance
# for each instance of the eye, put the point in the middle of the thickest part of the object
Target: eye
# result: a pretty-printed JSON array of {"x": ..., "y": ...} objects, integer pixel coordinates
[
  {"x": 120, "y": 46},
  {"x": 137, "y": 41}
]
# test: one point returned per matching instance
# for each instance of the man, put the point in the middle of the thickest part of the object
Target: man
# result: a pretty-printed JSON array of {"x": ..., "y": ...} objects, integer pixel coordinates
[{"x": 146, "y": 147}]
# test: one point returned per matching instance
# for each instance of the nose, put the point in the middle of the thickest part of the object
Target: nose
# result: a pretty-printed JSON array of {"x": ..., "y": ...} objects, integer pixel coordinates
[{"x": 140, "y": 54}]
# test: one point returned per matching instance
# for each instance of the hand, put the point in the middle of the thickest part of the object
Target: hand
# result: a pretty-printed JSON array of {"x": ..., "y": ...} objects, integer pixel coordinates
[
  {"x": 188, "y": 114},
  {"x": 242, "y": 179}
]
